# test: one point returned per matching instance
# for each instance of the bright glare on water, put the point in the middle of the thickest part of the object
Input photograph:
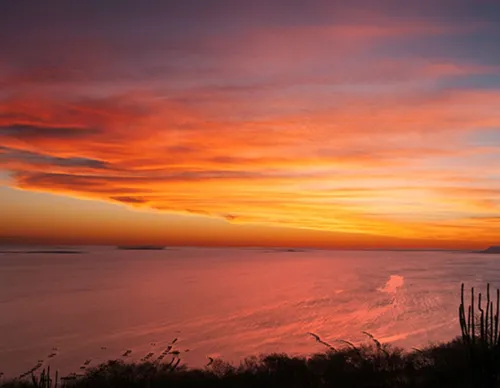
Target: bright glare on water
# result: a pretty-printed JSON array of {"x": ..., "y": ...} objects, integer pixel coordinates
[{"x": 227, "y": 303}]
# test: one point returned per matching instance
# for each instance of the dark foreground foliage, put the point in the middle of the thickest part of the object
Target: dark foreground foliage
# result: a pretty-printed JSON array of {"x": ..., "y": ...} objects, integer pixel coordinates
[{"x": 446, "y": 365}]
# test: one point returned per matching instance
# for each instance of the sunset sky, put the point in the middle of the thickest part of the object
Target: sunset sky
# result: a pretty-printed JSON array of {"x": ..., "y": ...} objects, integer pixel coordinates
[{"x": 355, "y": 123}]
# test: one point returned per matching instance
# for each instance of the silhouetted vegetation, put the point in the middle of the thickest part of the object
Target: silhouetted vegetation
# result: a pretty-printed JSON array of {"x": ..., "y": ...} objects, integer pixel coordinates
[
  {"x": 481, "y": 337},
  {"x": 471, "y": 360}
]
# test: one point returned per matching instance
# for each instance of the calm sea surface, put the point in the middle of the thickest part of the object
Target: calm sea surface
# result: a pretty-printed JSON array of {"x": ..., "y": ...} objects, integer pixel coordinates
[{"x": 227, "y": 303}]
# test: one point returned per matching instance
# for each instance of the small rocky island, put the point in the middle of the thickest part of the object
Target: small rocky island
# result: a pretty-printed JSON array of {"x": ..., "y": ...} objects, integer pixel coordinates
[
  {"x": 492, "y": 249},
  {"x": 142, "y": 248}
]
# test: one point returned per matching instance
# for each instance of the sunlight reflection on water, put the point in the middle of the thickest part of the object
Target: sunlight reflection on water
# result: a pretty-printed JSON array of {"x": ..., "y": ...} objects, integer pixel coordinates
[{"x": 392, "y": 285}]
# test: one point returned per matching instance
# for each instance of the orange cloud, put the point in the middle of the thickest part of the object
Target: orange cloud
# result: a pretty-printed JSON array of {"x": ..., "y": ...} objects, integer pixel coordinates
[{"x": 238, "y": 169}]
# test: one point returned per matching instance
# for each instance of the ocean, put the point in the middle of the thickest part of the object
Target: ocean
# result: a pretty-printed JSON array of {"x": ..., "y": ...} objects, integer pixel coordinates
[{"x": 65, "y": 309}]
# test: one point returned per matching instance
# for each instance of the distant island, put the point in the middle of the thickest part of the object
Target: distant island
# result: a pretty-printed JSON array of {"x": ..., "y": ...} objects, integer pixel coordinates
[
  {"x": 142, "y": 248},
  {"x": 60, "y": 252},
  {"x": 492, "y": 249}
]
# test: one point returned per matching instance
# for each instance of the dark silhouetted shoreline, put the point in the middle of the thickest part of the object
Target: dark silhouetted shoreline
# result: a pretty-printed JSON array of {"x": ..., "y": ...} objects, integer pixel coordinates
[{"x": 491, "y": 250}]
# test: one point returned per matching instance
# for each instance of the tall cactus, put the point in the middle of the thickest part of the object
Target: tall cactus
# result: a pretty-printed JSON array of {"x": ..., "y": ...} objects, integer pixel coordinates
[
  {"x": 486, "y": 335},
  {"x": 480, "y": 335}
]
